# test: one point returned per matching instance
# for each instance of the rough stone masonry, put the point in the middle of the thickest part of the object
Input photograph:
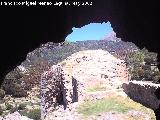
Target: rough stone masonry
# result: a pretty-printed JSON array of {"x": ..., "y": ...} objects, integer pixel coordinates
[
  {"x": 143, "y": 92},
  {"x": 57, "y": 88}
]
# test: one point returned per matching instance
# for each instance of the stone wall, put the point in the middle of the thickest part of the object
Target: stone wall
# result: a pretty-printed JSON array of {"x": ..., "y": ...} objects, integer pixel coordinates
[
  {"x": 143, "y": 92},
  {"x": 122, "y": 72},
  {"x": 57, "y": 88}
]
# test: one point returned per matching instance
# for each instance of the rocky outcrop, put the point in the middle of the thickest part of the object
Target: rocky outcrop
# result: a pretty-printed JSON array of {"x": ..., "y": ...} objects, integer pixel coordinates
[
  {"x": 99, "y": 64},
  {"x": 61, "y": 86},
  {"x": 143, "y": 92},
  {"x": 111, "y": 36},
  {"x": 148, "y": 94},
  {"x": 93, "y": 67},
  {"x": 57, "y": 88}
]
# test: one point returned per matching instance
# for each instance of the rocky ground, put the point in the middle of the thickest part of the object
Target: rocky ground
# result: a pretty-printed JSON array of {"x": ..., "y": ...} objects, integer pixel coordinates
[
  {"x": 73, "y": 114},
  {"x": 87, "y": 67},
  {"x": 100, "y": 77},
  {"x": 14, "y": 108}
]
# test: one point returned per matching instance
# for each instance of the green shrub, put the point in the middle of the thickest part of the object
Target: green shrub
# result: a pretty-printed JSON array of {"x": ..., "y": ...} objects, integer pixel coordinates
[
  {"x": 2, "y": 94},
  {"x": 22, "y": 106},
  {"x": 140, "y": 62},
  {"x": 11, "y": 87},
  {"x": 33, "y": 76},
  {"x": 18, "y": 91},
  {"x": 156, "y": 77},
  {"x": 8, "y": 106},
  {"x": 13, "y": 109},
  {"x": 8, "y": 85},
  {"x": 1, "y": 110},
  {"x": 33, "y": 114}
]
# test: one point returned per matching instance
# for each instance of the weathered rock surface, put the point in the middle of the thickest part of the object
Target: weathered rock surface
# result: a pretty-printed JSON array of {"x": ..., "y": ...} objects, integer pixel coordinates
[
  {"x": 143, "y": 92},
  {"x": 96, "y": 64},
  {"x": 76, "y": 73}
]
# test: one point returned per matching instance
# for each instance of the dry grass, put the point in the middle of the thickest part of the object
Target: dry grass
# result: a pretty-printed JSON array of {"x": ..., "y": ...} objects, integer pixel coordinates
[
  {"x": 116, "y": 104},
  {"x": 97, "y": 87}
]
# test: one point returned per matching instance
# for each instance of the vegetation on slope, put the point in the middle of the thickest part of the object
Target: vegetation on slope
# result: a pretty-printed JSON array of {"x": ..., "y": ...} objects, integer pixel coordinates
[
  {"x": 140, "y": 62},
  {"x": 142, "y": 65}
]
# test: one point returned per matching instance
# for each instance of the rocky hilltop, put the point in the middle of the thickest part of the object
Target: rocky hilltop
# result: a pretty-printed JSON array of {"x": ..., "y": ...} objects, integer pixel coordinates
[
  {"x": 111, "y": 36},
  {"x": 56, "y": 52}
]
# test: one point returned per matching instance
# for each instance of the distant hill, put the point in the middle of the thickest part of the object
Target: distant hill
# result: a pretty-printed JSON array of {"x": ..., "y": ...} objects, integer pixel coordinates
[
  {"x": 56, "y": 52},
  {"x": 111, "y": 36}
]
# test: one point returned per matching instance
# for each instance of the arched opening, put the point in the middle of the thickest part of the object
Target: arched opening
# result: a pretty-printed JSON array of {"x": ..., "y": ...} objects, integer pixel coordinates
[
  {"x": 41, "y": 59},
  {"x": 134, "y": 23},
  {"x": 59, "y": 98}
]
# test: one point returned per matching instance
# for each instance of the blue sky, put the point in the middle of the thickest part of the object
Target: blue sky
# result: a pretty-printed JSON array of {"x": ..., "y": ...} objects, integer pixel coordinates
[{"x": 92, "y": 31}]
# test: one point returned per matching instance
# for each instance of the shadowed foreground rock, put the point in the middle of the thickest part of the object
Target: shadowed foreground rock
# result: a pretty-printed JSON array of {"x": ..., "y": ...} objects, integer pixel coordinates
[{"x": 144, "y": 93}]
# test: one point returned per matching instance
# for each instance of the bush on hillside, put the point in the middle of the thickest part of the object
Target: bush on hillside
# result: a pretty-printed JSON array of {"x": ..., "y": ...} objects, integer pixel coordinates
[
  {"x": 18, "y": 91},
  {"x": 139, "y": 64},
  {"x": 33, "y": 77},
  {"x": 2, "y": 94},
  {"x": 22, "y": 106},
  {"x": 17, "y": 83},
  {"x": 1, "y": 110},
  {"x": 33, "y": 114},
  {"x": 8, "y": 106},
  {"x": 156, "y": 77},
  {"x": 11, "y": 87},
  {"x": 12, "y": 84}
]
